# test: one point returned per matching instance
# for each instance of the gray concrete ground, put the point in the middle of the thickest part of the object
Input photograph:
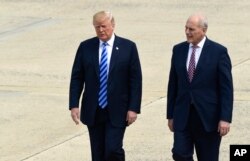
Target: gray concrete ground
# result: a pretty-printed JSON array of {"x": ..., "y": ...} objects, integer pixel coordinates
[{"x": 38, "y": 41}]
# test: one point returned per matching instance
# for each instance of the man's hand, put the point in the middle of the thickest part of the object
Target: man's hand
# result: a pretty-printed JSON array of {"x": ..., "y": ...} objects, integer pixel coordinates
[
  {"x": 75, "y": 114},
  {"x": 223, "y": 128},
  {"x": 131, "y": 117},
  {"x": 170, "y": 124}
]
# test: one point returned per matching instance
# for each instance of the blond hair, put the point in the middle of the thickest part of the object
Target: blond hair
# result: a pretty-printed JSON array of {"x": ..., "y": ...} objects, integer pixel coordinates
[{"x": 101, "y": 15}]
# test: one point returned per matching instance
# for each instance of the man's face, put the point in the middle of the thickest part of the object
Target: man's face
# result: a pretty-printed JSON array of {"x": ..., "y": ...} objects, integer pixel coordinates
[
  {"x": 194, "y": 32},
  {"x": 104, "y": 28}
]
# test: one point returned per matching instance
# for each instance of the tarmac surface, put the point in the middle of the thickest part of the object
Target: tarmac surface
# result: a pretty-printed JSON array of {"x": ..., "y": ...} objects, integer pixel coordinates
[{"x": 38, "y": 41}]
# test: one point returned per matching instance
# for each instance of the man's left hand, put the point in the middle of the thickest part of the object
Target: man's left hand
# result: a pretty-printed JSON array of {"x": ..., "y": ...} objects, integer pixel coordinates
[
  {"x": 223, "y": 128},
  {"x": 131, "y": 117}
]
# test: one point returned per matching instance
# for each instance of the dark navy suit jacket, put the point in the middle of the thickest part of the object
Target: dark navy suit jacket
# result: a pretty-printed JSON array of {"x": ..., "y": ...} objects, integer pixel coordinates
[
  {"x": 124, "y": 81},
  {"x": 211, "y": 90}
]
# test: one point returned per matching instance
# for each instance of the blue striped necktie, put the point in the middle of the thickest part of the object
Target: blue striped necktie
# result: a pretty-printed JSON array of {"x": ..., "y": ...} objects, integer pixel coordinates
[{"x": 103, "y": 77}]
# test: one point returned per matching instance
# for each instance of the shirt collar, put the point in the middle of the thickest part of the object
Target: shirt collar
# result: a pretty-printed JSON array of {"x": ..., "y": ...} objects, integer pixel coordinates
[
  {"x": 110, "y": 42},
  {"x": 200, "y": 44}
]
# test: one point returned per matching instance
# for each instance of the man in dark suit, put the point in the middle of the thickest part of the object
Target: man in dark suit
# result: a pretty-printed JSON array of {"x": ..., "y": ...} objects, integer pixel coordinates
[
  {"x": 107, "y": 67},
  {"x": 200, "y": 94}
]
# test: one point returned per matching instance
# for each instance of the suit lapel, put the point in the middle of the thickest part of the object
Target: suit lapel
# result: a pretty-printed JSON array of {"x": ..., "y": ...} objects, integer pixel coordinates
[
  {"x": 95, "y": 56},
  {"x": 202, "y": 60},
  {"x": 184, "y": 60},
  {"x": 115, "y": 52}
]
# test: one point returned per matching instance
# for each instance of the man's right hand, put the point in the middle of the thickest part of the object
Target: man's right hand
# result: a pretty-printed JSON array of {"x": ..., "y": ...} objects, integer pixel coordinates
[
  {"x": 75, "y": 114},
  {"x": 170, "y": 124}
]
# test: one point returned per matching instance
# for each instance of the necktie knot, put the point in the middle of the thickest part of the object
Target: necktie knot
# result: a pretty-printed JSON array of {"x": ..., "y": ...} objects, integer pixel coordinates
[
  {"x": 104, "y": 44},
  {"x": 194, "y": 48}
]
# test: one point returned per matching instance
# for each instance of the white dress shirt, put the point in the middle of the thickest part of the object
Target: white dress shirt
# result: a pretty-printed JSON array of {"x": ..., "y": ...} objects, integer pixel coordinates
[
  {"x": 197, "y": 52},
  {"x": 109, "y": 48}
]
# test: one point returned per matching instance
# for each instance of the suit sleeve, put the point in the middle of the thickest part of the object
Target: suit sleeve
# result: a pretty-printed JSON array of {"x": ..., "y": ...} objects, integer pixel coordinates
[
  {"x": 77, "y": 79},
  {"x": 226, "y": 87},
  {"x": 135, "y": 81}
]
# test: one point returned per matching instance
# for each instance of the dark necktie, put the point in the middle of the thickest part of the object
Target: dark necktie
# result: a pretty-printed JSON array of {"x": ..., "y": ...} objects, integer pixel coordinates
[
  {"x": 103, "y": 66},
  {"x": 191, "y": 67}
]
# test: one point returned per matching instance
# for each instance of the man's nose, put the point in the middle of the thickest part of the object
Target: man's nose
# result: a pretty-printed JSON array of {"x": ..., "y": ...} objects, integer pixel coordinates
[{"x": 101, "y": 29}]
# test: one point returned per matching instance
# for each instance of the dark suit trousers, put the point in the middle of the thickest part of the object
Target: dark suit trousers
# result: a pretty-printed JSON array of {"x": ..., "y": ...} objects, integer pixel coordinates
[
  {"x": 106, "y": 140},
  {"x": 206, "y": 144}
]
